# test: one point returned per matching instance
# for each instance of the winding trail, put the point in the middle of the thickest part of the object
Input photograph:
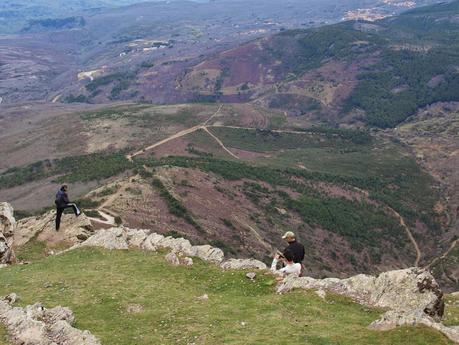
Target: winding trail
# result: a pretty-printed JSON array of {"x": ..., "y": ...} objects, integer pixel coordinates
[
  {"x": 442, "y": 257},
  {"x": 402, "y": 223},
  {"x": 409, "y": 234},
  {"x": 220, "y": 143},
  {"x": 109, "y": 220}
]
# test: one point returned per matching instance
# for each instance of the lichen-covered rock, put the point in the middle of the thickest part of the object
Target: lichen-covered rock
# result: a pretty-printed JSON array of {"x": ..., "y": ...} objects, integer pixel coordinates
[
  {"x": 123, "y": 238},
  {"x": 36, "y": 325},
  {"x": 152, "y": 242},
  {"x": 243, "y": 264},
  {"x": 172, "y": 258},
  {"x": 7, "y": 230},
  {"x": 136, "y": 238},
  {"x": 176, "y": 245},
  {"x": 113, "y": 238},
  {"x": 7, "y": 220},
  {"x": 208, "y": 253}
]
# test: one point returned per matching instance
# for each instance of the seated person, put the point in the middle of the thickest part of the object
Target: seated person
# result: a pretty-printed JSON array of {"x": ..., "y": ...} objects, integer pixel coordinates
[{"x": 290, "y": 266}]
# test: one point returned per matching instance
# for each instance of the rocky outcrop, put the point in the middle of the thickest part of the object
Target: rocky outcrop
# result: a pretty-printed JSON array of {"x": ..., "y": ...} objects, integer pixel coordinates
[
  {"x": 393, "y": 319},
  {"x": 401, "y": 290},
  {"x": 124, "y": 238},
  {"x": 243, "y": 264},
  {"x": 36, "y": 325},
  {"x": 73, "y": 229},
  {"x": 7, "y": 230},
  {"x": 412, "y": 296}
]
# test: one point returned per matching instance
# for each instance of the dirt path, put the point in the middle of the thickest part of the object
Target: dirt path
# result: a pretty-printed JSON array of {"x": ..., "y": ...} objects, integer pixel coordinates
[
  {"x": 220, "y": 143},
  {"x": 409, "y": 234},
  {"x": 159, "y": 143},
  {"x": 403, "y": 224},
  {"x": 442, "y": 257},
  {"x": 175, "y": 136},
  {"x": 109, "y": 220}
]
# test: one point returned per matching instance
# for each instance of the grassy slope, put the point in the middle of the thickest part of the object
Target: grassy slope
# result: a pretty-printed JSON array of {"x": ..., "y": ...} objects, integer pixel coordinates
[
  {"x": 452, "y": 310},
  {"x": 99, "y": 286},
  {"x": 3, "y": 340}
]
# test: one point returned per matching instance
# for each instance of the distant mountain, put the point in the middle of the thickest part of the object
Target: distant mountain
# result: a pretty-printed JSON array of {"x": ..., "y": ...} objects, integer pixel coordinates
[
  {"x": 378, "y": 73},
  {"x": 14, "y": 14}
]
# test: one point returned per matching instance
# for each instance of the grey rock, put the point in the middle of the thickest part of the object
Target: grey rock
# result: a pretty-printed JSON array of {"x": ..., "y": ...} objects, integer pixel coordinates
[
  {"x": 7, "y": 229},
  {"x": 208, "y": 253},
  {"x": 243, "y": 264},
  {"x": 187, "y": 261},
  {"x": 251, "y": 275},
  {"x": 113, "y": 238},
  {"x": 11, "y": 298},
  {"x": 173, "y": 259},
  {"x": 36, "y": 325}
]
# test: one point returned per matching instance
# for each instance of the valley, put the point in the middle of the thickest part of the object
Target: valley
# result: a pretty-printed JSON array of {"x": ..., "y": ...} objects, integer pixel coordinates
[{"x": 193, "y": 135}]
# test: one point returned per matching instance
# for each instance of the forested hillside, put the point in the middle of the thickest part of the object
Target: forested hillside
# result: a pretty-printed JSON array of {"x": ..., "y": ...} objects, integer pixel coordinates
[{"x": 379, "y": 73}]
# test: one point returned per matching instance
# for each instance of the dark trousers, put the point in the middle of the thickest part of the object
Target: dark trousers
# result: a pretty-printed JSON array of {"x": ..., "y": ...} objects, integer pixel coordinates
[{"x": 60, "y": 210}]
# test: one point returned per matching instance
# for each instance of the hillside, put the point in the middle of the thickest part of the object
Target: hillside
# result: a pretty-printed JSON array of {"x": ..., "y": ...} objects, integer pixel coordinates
[
  {"x": 377, "y": 73},
  {"x": 99, "y": 52},
  {"x": 227, "y": 182}
]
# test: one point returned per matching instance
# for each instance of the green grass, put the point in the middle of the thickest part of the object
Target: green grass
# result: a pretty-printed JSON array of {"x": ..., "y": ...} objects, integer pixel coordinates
[
  {"x": 3, "y": 339},
  {"x": 452, "y": 311},
  {"x": 265, "y": 141},
  {"x": 99, "y": 286},
  {"x": 31, "y": 251}
]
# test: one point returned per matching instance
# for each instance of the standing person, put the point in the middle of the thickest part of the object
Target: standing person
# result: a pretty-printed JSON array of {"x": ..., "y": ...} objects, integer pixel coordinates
[
  {"x": 62, "y": 202},
  {"x": 295, "y": 247}
]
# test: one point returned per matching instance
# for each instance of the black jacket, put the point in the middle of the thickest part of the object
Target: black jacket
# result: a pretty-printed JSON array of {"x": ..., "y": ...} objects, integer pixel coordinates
[
  {"x": 298, "y": 251},
  {"x": 62, "y": 199}
]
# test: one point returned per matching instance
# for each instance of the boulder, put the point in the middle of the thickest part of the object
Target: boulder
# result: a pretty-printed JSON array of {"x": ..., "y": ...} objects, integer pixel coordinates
[
  {"x": 176, "y": 245},
  {"x": 113, "y": 238},
  {"x": 136, "y": 238},
  {"x": 152, "y": 242},
  {"x": 187, "y": 261},
  {"x": 208, "y": 253},
  {"x": 251, "y": 275},
  {"x": 7, "y": 229},
  {"x": 172, "y": 258},
  {"x": 243, "y": 264},
  {"x": 36, "y": 325},
  {"x": 7, "y": 220}
]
